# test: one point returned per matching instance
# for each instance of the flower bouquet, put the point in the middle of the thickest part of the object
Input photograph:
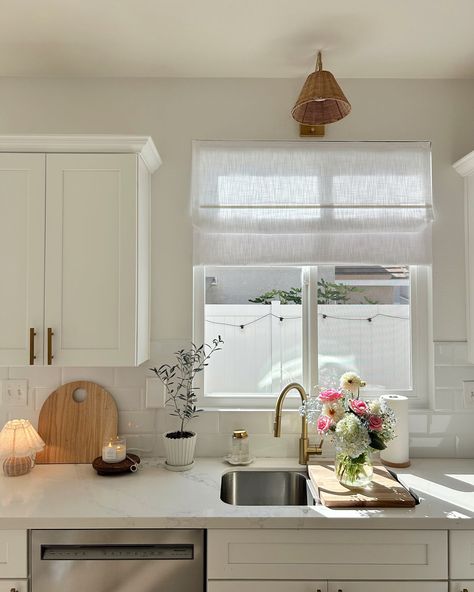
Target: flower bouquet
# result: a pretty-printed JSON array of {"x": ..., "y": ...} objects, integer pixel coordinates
[{"x": 357, "y": 427}]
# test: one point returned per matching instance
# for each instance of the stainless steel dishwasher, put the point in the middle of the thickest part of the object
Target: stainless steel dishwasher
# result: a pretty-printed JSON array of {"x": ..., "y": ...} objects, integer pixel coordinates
[{"x": 117, "y": 560}]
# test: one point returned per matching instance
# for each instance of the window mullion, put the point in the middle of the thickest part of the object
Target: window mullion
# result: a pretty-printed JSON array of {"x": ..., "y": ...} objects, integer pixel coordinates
[{"x": 310, "y": 326}]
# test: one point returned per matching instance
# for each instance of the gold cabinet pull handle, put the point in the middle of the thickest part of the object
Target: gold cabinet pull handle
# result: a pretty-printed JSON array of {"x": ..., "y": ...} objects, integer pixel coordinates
[
  {"x": 50, "y": 346},
  {"x": 32, "y": 348}
]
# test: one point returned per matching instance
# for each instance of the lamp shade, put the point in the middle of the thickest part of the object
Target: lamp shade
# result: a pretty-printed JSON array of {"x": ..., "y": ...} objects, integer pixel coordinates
[
  {"x": 19, "y": 438},
  {"x": 321, "y": 99}
]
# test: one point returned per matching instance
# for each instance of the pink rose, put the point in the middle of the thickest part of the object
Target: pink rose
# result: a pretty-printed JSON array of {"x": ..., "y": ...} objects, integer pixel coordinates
[
  {"x": 330, "y": 395},
  {"x": 324, "y": 423},
  {"x": 375, "y": 423},
  {"x": 358, "y": 406}
]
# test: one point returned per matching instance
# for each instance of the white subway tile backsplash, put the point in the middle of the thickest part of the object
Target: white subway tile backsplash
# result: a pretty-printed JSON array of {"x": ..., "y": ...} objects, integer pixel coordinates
[
  {"x": 102, "y": 376},
  {"x": 212, "y": 445},
  {"x": 40, "y": 394},
  {"x": 131, "y": 377},
  {"x": 444, "y": 431},
  {"x": 255, "y": 422},
  {"x": 439, "y": 446},
  {"x": 128, "y": 399},
  {"x": 451, "y": 352},
  {"x": 290, "y": 422},
  {"x": 452, "y": 376},
  {"x": 448, "y": 399},
  {"x": 465, "y": 446},
  {"x": 38, "y": 376},
  {"x": 141, "y": 444},
  {"x": 206, "y": 423},
  {"x": 137, "y": 422}
]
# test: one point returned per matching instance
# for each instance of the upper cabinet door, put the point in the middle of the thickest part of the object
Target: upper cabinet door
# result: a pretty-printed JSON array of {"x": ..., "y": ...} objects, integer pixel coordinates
[
  {"x": 22, "y": 203},
  {"x": 91, "y": 259}
]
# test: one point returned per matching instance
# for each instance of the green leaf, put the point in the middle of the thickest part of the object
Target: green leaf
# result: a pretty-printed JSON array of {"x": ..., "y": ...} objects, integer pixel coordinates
[{"x": 376, "y": 441}]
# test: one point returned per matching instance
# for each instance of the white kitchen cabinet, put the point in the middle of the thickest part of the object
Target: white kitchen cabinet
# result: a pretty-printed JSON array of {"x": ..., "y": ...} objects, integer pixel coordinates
[
  {"x": 461, "y": 555},
  {"x": 75, "y": 248},
  {"x": 327, "y": 554},
  {"x": 22, "y": 207},
  {"x": 400, "y": 586},
  {"x": 268, "y": 586},
  {"x": 465, "y": 167},
  {"x": 13, "y": 554}
]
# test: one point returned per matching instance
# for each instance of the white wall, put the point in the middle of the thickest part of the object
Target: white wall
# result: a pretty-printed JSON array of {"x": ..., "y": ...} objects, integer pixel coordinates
[{"x": 175, "y": 111}]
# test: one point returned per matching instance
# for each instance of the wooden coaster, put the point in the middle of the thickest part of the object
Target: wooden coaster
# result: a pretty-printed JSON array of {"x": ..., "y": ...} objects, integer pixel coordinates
[
  {"x": 384, "y": 491},
  {"x": 119, "y": 468}
]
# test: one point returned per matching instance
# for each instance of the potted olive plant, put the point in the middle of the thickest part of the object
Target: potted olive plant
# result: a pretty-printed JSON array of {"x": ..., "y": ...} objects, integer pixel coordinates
[{"x": 178, "y": 380}]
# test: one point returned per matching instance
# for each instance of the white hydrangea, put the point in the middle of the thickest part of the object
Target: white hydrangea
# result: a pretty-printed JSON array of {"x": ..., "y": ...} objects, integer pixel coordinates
[{"x": 351, "y": 437}]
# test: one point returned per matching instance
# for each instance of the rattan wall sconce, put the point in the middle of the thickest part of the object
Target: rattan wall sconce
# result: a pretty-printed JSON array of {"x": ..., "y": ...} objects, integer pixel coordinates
[{"x": 321, "y": 101}]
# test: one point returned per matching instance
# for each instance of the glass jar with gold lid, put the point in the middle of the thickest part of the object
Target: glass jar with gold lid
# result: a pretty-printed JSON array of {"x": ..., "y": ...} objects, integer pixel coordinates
[{"x": 240, "y": 447}]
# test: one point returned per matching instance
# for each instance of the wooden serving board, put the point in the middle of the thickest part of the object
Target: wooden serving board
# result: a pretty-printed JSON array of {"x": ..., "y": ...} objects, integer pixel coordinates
[
  {"x": 74, "y": 431},
  {"x": 384, "y": 491}
]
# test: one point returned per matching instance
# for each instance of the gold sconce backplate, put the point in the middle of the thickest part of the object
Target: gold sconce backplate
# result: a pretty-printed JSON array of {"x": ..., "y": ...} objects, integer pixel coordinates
[{"x": 315, "y": 131}]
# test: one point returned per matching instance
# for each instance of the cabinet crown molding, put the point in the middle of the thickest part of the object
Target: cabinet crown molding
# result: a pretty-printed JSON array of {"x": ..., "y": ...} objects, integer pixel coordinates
[
  {"x": 78, "y": 143},
  {"x": 465, "y": 165}
]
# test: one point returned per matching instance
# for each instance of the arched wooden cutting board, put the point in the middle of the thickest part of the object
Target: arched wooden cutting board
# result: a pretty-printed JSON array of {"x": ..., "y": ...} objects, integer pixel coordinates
[{"x": 74, "y": 431}]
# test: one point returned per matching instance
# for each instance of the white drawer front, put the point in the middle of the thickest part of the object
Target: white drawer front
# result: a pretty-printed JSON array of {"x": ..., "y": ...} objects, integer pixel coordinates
[
  {"x": 388, "y": 586},
  {"x": 13, "y": 554},
  {"x": 462, "y": 586},
  {"x": 269, "y": 586},
  {"x": 461, "y": 555},
  {"x": 327, "y": 554},
  {"x": 16, "y": 585}
]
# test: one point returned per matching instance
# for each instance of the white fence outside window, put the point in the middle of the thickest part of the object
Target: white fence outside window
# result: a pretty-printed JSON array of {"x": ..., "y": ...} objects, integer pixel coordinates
[{"x": 266, "y": 354}]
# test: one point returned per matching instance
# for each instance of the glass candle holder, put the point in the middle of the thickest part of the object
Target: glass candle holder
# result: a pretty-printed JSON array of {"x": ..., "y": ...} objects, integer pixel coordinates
[{"x": 114, "y": 450}]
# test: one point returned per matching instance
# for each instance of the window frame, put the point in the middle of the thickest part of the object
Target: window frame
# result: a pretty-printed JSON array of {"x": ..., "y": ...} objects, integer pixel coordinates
[{"x": 421, "y": 354}]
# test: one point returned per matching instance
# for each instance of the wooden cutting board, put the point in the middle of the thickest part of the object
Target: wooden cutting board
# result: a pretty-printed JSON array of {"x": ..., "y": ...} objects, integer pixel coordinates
[
  {"x": 74, "y": 431},
  {"x": 384, "y": 491}
]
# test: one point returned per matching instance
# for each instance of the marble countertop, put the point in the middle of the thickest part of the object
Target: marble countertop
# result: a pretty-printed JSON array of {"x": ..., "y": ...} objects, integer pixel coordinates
[{"x": 74, "y": 496}]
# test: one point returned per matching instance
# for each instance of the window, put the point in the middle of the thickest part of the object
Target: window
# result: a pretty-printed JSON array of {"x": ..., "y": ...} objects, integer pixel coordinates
[
  {"x": 289, "y": 241},
  {"x": 309, "y": 325}
]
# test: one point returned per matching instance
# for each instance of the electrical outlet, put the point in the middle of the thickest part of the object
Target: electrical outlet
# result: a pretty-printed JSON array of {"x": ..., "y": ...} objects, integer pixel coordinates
[
  {"x": 468, "y": 387},
  {"x": 15, "y": 392},
  {"x": 155, "y": 393}
]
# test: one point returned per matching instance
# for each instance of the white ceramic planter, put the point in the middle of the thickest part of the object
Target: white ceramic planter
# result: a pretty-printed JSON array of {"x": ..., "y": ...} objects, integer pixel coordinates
[{"x": 179, "y": 452}]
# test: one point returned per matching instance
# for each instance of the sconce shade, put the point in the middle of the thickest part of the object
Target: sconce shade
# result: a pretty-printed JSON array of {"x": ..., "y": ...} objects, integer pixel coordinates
[
  {"x": 321, "y": 99},
  {"x": 19, "y": 438}
]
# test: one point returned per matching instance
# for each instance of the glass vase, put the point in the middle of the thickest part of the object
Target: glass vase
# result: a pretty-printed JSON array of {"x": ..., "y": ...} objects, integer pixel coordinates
[{"x": 354, "y": 472}]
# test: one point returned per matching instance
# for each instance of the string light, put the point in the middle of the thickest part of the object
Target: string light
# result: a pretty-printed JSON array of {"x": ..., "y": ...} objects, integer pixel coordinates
[{"x": 323, "y": 316}]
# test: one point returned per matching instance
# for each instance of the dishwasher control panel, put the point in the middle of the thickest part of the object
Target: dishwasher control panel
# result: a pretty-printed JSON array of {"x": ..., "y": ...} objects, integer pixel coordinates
[{"x": 115, "y": 552}]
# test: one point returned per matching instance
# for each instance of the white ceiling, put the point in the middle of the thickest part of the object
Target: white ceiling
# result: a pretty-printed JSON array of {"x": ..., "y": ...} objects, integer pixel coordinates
[{"x": 237, "y": 38}]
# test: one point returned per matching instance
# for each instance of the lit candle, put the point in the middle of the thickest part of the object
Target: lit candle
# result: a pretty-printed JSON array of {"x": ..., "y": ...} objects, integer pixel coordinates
[{"x": 114, "y": 450}]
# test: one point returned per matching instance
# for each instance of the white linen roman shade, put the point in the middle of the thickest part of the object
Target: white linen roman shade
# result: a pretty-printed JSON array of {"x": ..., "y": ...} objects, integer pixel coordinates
[{"x": 303, "y": 203}]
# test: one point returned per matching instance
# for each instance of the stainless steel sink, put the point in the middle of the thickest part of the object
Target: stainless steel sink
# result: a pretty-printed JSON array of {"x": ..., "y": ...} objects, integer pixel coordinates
[{"x": 266, "y": 488}]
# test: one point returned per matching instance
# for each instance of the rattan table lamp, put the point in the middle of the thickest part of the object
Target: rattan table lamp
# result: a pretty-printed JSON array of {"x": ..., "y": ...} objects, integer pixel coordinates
[{"x": 19, "y": 443}]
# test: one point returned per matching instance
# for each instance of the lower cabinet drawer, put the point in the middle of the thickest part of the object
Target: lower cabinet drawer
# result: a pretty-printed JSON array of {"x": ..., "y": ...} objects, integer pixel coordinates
[
  {"x": 461, "y": 586},
  {"x": 266, "y": 586},
  {"x": 13, "y": 554},
  {"x": 327, "y": 554},
  {"x": 13, "y": 585},
  {"x": 388, "y": 586}
]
